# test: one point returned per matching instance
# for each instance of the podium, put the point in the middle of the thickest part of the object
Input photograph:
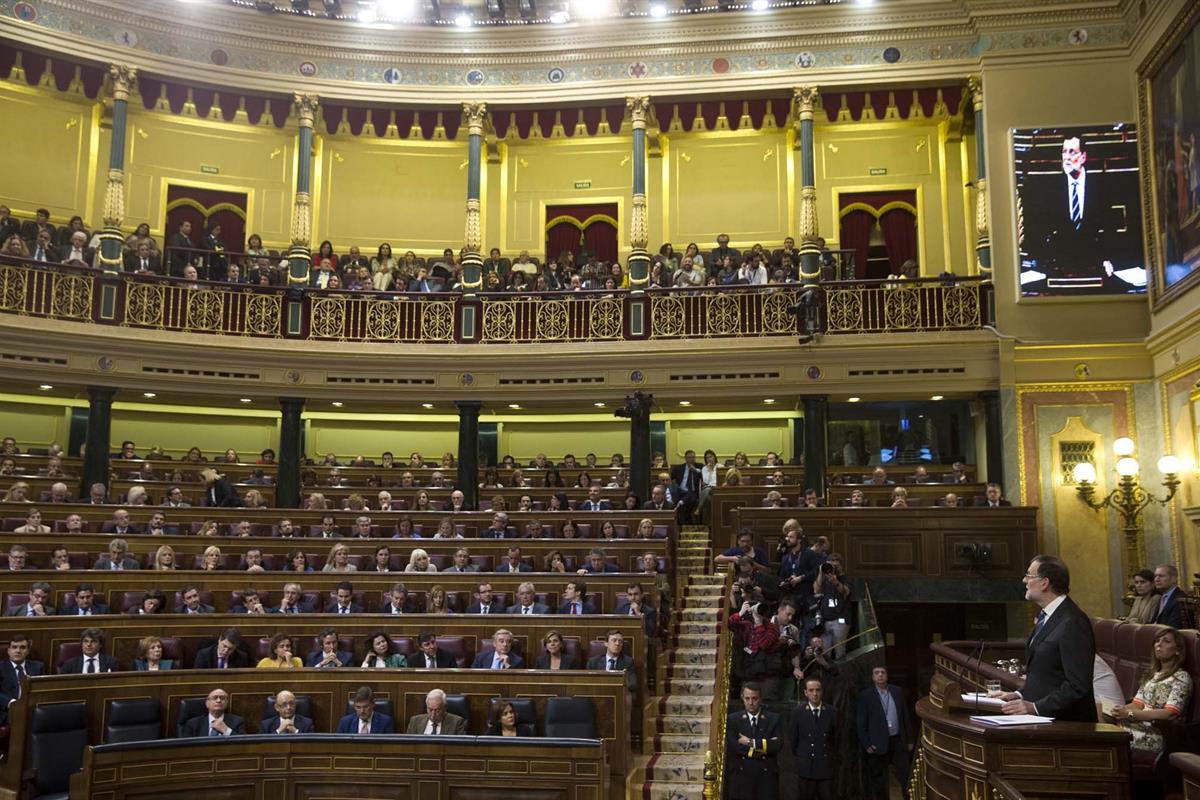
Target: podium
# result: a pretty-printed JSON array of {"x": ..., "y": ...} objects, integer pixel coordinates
[{"x": 965, "y": 760}]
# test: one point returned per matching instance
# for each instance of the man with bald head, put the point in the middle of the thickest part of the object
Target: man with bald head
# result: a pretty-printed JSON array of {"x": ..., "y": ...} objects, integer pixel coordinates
[{"x": 285, "y": 719}]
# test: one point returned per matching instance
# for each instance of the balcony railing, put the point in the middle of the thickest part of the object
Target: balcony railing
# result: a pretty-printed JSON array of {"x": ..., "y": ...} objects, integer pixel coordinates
[{"x": 130, "y": 300}]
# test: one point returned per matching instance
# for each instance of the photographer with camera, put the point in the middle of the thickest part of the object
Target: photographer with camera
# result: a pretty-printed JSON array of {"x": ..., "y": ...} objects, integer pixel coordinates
[
  {"x": 832, "y": 592},
  {"x": 745, "y": 547},
  {"x": 754, "y": 636},
  {"x": 800, "y": 566}
]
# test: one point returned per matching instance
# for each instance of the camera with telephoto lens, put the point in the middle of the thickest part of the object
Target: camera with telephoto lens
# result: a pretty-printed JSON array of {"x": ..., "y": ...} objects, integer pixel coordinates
[{"x": 827, "y": 568}]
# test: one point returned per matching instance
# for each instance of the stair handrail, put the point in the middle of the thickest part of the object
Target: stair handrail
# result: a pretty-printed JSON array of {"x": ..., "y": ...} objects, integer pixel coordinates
[{"x": 714, "y": 757}]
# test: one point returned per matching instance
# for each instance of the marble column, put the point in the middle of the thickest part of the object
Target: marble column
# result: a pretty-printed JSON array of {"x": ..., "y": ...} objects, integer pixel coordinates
[
  {"x": 291, "y": 454},
  {"x": 639, "y": 257},
  {"x": 110, "y": 255},
  {"x": 816, "y": 421},
  {"x": 472, "y": 260},
  {"x": 468, "y": 451},
  {"x": 805, "y": 98},
  {"x": 300, "y": 253},
  {"x": 983, "y": 239},
  {"x": 99, "y": 436},
  {"x": 993, "y": 430},
  {"x": 637, "y": 406}
]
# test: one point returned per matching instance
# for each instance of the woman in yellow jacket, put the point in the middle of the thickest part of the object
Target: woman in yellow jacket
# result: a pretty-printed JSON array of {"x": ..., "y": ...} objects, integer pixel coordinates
[{"x": 282, "y": 658}]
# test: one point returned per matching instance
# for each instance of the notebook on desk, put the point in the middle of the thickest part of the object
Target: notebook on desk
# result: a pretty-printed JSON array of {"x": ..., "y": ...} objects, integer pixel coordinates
[
  {"x": 1002, "y": 720},
  {"x": 981, "y": 700}
]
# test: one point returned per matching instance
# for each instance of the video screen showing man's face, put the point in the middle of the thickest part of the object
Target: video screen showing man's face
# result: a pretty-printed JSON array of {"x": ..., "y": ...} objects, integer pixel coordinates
[{"x": 1079, "y": 211}]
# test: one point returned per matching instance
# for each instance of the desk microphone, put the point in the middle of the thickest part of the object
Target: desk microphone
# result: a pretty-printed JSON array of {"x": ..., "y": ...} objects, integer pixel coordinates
[{"x": 979, "y": 665}]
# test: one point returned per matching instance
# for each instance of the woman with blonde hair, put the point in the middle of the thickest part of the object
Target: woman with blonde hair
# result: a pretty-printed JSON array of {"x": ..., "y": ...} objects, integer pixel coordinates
[
  {"x": 437, "y": 603},
  {"x": 418, "y": 561},
  {"x": 164, "y": 558},
  {"x": 339, "y": 560},
  {"x": 136, "y": 496},
  {"x": 15, "y": 246},
  {"x": 316, "y": 502},
  {"x": 211, "y": 560},
  {"x": 209, "y": 528},
  {"x": 733, "y": 477},
  {"x": 899, "y": 497},
  {"x": 17, "y": 493},
  {"x": 254, "y": 499}
]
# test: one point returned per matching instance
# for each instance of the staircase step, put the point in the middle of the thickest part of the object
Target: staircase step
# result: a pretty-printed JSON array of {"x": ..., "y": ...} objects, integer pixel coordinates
[
  {"x": 692, "y": 686},
  {"x": 680, "y": 743},
  {"x": 707, "y": 580},
  {"x": 697, "y": 641},
  {"x": 677, "y": 768},
  {"x": 692, "y": 672},
  {"x": 683, "y": 706},
  {"x": 697, "y": 627},
  {"x": 664, "y": 790},
  {"x": 696, "y": 726},
  {"x": 698, "y": 613},
  {"x": 694, "y": 655}
]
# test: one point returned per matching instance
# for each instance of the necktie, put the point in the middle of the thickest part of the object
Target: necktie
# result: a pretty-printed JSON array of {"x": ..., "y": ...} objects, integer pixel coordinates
[
  {"x": 1037, "y": 625},
  {"x": 343, "y": 610},
  {"x": 816, "y": 713},
  {"x": 91, "y": 665},
  {"x": 1076, "y": 204},
  {"x": 575, "y": 608},
  {"x": 213, "y": 732},
  {"x": 220, "y": 662},
  {"x": 436, "y": 727},
  {"x": 86, "y": 612},
  {"x": 364, "y": 726},
  {"x": 40, "y": 255},
  {"x": 429, "y": 662},
  {"x": 524, "y": 609},
  {"x": 612, "y": 665},
  {"x": 754, "y": 727},
  {"x": 484, "y": 609},
  {"x": 144, "y": 266},
  {"x": 20, "y": 670}
]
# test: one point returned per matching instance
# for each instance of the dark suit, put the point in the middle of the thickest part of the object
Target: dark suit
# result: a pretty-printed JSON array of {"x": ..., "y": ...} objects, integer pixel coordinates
[
  {"x": 10, "y": 684},
  {"x": 355, "y": 608},
  {"x": 607, "y": 568},
  {"x": 624, "y": 662},
  {"x": 203, "y": 608},
  {"x": 134, "y": 264},
  {"x": 198, "y": 726},
  {"x": 690, "y": 480},
  {"x": 538, "y": 608},
  {"x": 72, "y": 610},
  {"x": 484, "y": 660},
  {"x": 812, "y": 744},
  {"x": 752, "y": 771},
  {"x": 271, "y": 724},
  {"x": 871, "y": 721},
  {"x": 23, "y": 610},
  {"x": 649, "y": 615},
  {"x": 650, "y": 505},
  {"x": 588, "y": 608},
  {"x": 344, "y": 658},
  {"x": 451, "y": 725},
  {"x": 380, "y": 723},
  {"x": 543, "y": 662},
  {"x": 75, "y": 666},
  {"x": 599, "y": 505},
  {"x": 521, "y": 567},
  {"x": 442, "y": 659},
  {"x": 207, "y": 659},
  {"x": 494, "y": 533},
  {"x": 220, "y": 493},
  {"x": 493, "y": 607},
  {"x": 180, "y": 247},
  {"x": 982, "y": 502},
  {"x": 128, "y": 530},
  {"x": 1058, "y": 666},
  {"x": 1171, "y": 613}
]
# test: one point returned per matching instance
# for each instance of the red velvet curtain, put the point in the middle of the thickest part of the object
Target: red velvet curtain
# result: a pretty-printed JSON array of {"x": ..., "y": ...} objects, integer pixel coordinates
[
  {"x": 900, "y": 235},
  {"x": 562, "y": 238},
  {"x": 601, "y": 240},
  {"x": 856, "y": 235}
]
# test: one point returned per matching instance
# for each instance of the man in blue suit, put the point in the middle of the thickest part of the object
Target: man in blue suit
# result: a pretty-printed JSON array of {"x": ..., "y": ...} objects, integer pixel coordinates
[
  {"x": 365, "y": 718},
  {"x": 285, "y": 719},
  {"x": 329, "y": 655},
  {"x": 500, "y": 655},
  {"x": 594, "y": 501},
  {"x": 885, "y": 732},
  {"x": 527, "y": 601},
  {"x": 597, "y": 562}
]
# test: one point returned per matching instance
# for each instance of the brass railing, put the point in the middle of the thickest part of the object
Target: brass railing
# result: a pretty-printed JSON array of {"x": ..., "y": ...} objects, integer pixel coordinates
[
  {"x": 55, "y": 291},
  {"x": 714, "y": 757}
]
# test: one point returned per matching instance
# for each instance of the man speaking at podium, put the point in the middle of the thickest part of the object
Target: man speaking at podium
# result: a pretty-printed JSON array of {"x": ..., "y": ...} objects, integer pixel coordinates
[{"x": 1060, "y": 651}]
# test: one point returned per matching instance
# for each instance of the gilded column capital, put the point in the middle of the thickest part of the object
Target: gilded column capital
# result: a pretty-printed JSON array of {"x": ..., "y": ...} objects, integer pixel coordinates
[
  {"x": 975, "y": 89},
  {"x": 305, "y": 106},
  {"x": 639, "y": 110},
  {"x": 121, "y": 77},
  {"x": 804, "y": 100},
  {"x": 475, "y": 114}
]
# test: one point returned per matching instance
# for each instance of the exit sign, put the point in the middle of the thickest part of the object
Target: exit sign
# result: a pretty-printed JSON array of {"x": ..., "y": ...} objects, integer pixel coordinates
[
  {"x": 583, "y": 184},
  {"x": 209, "y": 169},
  {"x": 878, "y": 171}
]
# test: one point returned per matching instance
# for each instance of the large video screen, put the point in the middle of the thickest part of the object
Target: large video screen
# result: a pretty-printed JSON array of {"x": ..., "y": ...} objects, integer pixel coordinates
[{"x": 1079, "y": 211}]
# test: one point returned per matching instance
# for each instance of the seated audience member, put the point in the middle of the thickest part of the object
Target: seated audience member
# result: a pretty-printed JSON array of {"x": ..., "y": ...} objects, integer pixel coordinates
[
  {"x": 38, "y": 604},
  {"x": 878, "y": 478},
  {"x": 485, "y": 602},
  {"x": 150, "y": 656},
  {"x": 97, "y": 494},
  {"x": 218, "y": 491},
  {"x": 992, "y": 497},
  {"x": 252, "y": 561},
  {"x": 1166, "y": 583},
  {"x": 292, "y": 601},
  {"x": 227, "y": 653},
  {"x": 85, "y": 604},
  {"x": 365, "y": 719},
  {"x": 248, "y": 602},
  {"x": 958, "y": 473},
  {"x": 397, "y": 600},
  {"x": 555, "y": 656},
  {"x": 381, "y": 561},
  {"x": 418, "y": 561},
  {"x": 174, "y": 499},
  {"x": 512, "y": 562},
  {"x": 503, "y": 722},
  {"x": 119, "y": 524},
  {"x": 457, "y": 502},
  {"x": 810, "y": 499},
  {"x": 527, "y": 601},
  {"x": 13, "y": 668},
  {"x": 117, "y": 558},
  {"x": 218, "y": 721},
  {"x": 429, "y": 655},
  {"x": 158, "y": 526},
  {"x": 436, "y": 720},
  {"x": 446, "y": 530},
  {"x": 950, "y": 501},
  {"x": 438, "y": 602},
  {"x": 135, "y": 497},
  {"x": 575, "y": 600},
  {"x": 636, "y": 604},
  {"x": 595, "y": 502},
  {"x": 899, "y": 497},
  {"x": 733, "y": 477},
  {"x": 662, "y": 582},
  {"x": 285, "y": 529},
  {"x": 281, "y": 654},
  {"x": 73, "y": 524},
  {"x": 343, "y": 601},
  {"x": 297, "y": 562},
  {"x": 362, "y": 528},
  {"x": 856, "y": 500},
  {"x": 18, "y": 558},
  {"x": 1164, "y": 695},
  {"x": 329, "y": 655},
  {"x": 60, "y": 558},
  {"x": 338, "y": 559},
  {"x": 645, "y": 529},
  {"x": 90, "y": 660},
  {"x": 614, "y": 659},
  {"x": 1145, "y": 599},
  {"x": 745, "y": 547},
  {"x": 59, "y": 493},
  {"x": 285, "y": 719},
  {"x": 33, "y": 523},
  {"x": 210, "y": 559},
  {"x": 920, "y": 475},
  {"x": 380, "y": 652},
  {"x": 153, "y": 602},
  {"x": 328, "y": 529},
  {"x": 498, "y": 529},
  {"x": 596, "y": 562},
  {"x": 192, "y": 603},
  {"x": 500, "y": 655}
]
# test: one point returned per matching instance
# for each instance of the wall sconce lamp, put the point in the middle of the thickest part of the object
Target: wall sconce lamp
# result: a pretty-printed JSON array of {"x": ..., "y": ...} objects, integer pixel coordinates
[{"x": 1129, "y": 498}]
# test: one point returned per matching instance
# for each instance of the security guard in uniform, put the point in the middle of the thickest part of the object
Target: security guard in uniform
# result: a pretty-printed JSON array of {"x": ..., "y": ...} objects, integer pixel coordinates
[{"x": 752, "y": 743}]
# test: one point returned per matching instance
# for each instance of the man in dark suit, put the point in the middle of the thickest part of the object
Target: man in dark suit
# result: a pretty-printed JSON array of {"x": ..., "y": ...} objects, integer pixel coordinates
[
  {"x": 614, "y": 659},
  {"x": 811, "y": 499},
  {"x": 191, "y": 602},
  {"x": 575, "y": 600},
  {"x": 885, "y": 732},
  {"x": 365, "y": 719},
  {"x": 343, "y": 600},
  {"x": 597, "y": 563},
  {"x": 85, "y": 604},
  {"x": 142, "y": 260},
  {"x": 1060, "y": 652},
  {"x": 293, "y": 601},
  {"x": 993, "y": 497},
  {"x": 91, "y": 661},
  {"x": 218, "y": 491},
  {"x": 217, "y": 721},
  {"x": 813, "y": 727},
  {"x": 485, "y": 602},
  {"x": 658, "y": 499},
  {"x": 32, "y": 229},
  {"x": 1166, "y": 583},
  {"x": 635, "y": 604},
  {"x": 120, "y": 524},
  {"x": 38, "y": 604},
  {"x": 687, "y": 475},
  {"x": 594, "y": 501},
  {"x": 500, "y": 655},
  {"x": 12, "y": 669},
  {"x": 285, "y": 719},
  {"x": 329, "y": 656},
  {"x": 498, "y": 529},
  {"x": 225, "y": 654},
  {"x": 512, "y": 562},
  {"x": 10, "y": 225},
  {"x": 878, "y": 478},
  {"x": 436, "y": 721},
  {"x": 527, "y": 601},
  {"x": 180, "y": 246},
  {"x": 429, "y": 656},
  {"x": 752, "y": 744}
]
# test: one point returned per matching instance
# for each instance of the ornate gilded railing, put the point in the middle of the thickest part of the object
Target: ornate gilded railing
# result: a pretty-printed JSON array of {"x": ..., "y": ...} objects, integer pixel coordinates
[{"x": 55, "y": 291}]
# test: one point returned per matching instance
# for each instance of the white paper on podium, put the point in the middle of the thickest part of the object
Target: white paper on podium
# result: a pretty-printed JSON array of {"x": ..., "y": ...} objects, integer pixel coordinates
[
  {"x": 1011, "y": 719},
  {"x": 982, "y": 700}
]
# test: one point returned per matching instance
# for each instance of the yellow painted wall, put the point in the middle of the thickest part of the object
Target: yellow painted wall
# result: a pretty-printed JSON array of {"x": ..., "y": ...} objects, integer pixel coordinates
[
  {"x": 603, "y": 435},
  {"x": 350, "y": 436},
  {"x": 34, "y": 424},
  {"x": 755, "y": 437},
  {"x": 177, "y": 431}
]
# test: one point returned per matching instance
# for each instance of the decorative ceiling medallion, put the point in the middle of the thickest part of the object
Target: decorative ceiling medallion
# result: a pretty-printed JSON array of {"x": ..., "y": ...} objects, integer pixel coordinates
[
  {"x": 720, "y": 65},
  {"x": 638, "y": 69},
  {"x": 813, "y": 373},
  {"x": 637, "y": 376},
  {"x": 476, "y": 77},
  {"x": 292, "y": 376},
  {"x": 126, "y": 37},
  {"x": 556, "y": 75},
  {"x": 805, "y": 60},
  {"x": 393, "y": 75},
  {"x": 25, "y": 12},
  {"x": 1078, "y": 37},
  {"x": 466, "y": 379},
  {"x": 308, "y": 69},
  {"x": 219, "y": 57},
  {"x": 891, "y": 55},
  {"x": 105, "y": 364}
]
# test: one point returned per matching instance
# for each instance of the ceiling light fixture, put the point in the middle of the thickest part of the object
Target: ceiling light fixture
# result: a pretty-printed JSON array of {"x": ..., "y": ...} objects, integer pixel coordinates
[
  {"x": 515, "y": 406},
  {"x": 685, "y": 402},
  {"x": 426, "y": 405},
  {"x": 560, "y": 17},
  {"x": 769, "y": 400},
  {"x": 598, "y": 405},
  {"x": 45, "y": 387},
  {"x": 337, "y": 404},
  {"x": 658, "y": 10},
  {"x": 854, "y": 399},
  {"x": 759, "y": 5},
  {"x": 936, "y": 397},
  {"x": 245, "y": 400},
  {"x": 149, "y": 395},
  {"x": 463, "y": 20}
]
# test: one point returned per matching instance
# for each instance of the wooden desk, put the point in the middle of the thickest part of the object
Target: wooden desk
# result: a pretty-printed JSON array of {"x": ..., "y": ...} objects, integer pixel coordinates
[
  {"x": 1188, "y": 765},
  {"x": 431, "y": 768}
]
